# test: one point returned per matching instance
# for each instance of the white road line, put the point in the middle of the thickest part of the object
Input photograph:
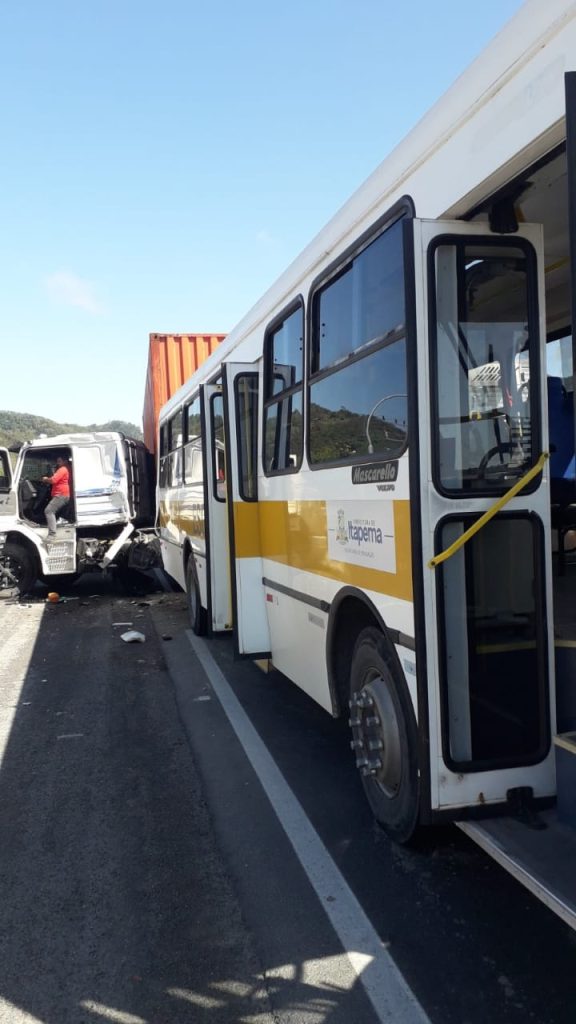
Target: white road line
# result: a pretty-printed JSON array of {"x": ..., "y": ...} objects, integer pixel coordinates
[{"x": 392, "y": 998}]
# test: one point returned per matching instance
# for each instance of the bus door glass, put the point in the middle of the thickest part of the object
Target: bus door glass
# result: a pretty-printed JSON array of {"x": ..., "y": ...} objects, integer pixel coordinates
[
  {"x": 241, "y": 387},
  {"x": 487, "y": 601},
  {"x": 217, "y": 517}
]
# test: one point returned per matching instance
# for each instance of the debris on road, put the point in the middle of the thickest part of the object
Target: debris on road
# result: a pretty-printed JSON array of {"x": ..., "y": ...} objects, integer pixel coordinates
[{"x": 133, "y": 637}]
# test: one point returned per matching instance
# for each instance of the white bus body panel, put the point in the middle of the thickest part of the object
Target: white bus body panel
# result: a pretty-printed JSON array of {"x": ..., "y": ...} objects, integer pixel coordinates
[{"x": 297, "y": 628}]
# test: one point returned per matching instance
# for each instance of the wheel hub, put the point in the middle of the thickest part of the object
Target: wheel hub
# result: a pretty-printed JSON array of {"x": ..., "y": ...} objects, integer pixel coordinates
[
  {"x": 376, "y": 735},
  {"x": 9, "y": 577}
]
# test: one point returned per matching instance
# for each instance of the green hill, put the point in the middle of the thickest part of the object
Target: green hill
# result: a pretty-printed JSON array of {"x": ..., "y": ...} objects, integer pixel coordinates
[{"x": 16, "y": 427}]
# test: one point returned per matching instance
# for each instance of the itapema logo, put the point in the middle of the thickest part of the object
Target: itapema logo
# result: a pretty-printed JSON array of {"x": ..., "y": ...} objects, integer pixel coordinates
[
  {"x": 357, "y": 531},
  {"x": 341, "y": 532},
  {"x": 362, "y": 533},
  {"x": 376, "y": 473}
]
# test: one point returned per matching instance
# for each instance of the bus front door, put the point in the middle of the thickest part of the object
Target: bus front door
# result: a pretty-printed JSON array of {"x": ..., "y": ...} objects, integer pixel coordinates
[{"x": 485, "y": 597}]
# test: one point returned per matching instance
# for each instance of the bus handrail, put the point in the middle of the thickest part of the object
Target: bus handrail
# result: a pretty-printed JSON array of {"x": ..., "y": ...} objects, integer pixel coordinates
[{"x": 490, "y": 513}]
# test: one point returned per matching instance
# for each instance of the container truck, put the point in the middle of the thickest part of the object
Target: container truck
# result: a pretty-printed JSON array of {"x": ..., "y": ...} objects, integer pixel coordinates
[
  {"x": 109, "y": 520},
  {"x": 172, "y": 359}
]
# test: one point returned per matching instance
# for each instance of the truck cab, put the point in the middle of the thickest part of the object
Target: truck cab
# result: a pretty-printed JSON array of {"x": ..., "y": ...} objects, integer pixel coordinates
[{"x": 111, "y": 500}]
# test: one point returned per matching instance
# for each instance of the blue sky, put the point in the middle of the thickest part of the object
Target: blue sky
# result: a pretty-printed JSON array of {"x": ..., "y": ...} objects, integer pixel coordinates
[{"x": 164, "y": 162}]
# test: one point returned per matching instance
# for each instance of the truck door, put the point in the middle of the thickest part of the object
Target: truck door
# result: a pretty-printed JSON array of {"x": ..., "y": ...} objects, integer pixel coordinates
[
  {"x": 484, "y": 657},
  {"x": 251, "y": 635},
  {"x": 8, "y": 504}
]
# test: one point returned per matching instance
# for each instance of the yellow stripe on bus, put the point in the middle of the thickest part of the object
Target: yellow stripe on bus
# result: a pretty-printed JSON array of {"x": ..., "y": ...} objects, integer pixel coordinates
[
  {"x": 247, "y": 529},
  {"x": 294, "y": 533}
]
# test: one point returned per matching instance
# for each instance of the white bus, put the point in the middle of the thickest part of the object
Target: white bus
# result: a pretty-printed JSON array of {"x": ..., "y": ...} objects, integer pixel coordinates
[{"x": 356, "y": 482}]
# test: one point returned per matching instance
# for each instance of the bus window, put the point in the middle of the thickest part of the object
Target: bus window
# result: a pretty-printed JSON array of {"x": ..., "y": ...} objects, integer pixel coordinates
[
  {"x": 493, "y": 662},
  {"x": 363, "y": 305},
  {"x": 560, "y": 386},
  {"x": 246, "y": 393},
  {"x": 219, "y": 456},
  {"x": 283, "y": 347},
  {"x": 192, "y": 421},
  {"x": 358, "y": 390},
  {"x": 283, "y": 434},
  {"x": 164, "y": 452},
  {"x": 193, "y": 467},
  {"x": 559, "y": 360},
  {"x": 175, "y": 430}
]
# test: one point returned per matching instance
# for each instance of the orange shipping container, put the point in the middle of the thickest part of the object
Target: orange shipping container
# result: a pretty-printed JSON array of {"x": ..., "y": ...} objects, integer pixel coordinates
[{"x": 172, "y": 359}]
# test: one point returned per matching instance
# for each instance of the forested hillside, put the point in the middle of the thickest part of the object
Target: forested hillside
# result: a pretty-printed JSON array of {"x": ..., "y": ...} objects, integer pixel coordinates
[{"x": 16, "y": 427}]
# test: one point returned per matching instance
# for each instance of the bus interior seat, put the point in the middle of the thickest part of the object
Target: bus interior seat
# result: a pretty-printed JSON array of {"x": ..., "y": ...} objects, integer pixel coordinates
[
  {"x": 28, "y": 495},
  {"x": 562, "y": 463}
]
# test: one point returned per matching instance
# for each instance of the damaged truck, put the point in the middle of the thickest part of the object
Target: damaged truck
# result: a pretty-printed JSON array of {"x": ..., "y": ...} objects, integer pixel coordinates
[{"x": 108, "y": 522}]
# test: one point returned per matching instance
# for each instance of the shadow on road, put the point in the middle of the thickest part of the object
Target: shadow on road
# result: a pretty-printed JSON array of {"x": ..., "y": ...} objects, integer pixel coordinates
[{"x": 116, "y": 904}]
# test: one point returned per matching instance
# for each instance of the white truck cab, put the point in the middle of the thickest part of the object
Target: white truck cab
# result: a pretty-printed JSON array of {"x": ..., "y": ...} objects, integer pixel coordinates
[{"x": 109, "y": 518}]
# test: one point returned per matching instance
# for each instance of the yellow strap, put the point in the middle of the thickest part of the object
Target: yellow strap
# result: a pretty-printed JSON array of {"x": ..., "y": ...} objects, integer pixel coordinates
[{"x": 490, "y": 513}]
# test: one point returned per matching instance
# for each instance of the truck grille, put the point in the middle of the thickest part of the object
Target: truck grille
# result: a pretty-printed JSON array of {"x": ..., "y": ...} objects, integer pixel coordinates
[{"x": 61, "y": 556}]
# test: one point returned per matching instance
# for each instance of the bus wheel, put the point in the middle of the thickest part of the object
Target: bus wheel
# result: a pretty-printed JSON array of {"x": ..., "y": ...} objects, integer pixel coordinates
[
  {"x": 385, "y": 739},
  {"x": 198, "y": 617},
  {"x": 16, "y": 569}
]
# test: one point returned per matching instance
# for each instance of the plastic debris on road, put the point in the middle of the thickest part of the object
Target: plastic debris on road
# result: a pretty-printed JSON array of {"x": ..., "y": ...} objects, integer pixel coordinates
[{"x": 133, "y": 637}]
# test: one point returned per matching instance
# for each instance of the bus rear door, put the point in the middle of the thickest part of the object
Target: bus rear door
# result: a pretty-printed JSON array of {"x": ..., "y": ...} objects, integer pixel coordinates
[
  {"x": 219, "y": 609},
  {"x": 251, "y": 635}
]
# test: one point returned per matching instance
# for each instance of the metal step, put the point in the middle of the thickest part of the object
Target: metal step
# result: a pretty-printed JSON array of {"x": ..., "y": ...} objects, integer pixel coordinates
[{"x": 542, "y": 860}]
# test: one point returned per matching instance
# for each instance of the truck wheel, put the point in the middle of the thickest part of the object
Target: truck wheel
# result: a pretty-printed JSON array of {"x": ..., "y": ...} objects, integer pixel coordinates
[
  {"x": 385, "y": 737},
  {"x": 16, "y": 569},
  {"x": 198, "y": 616}
]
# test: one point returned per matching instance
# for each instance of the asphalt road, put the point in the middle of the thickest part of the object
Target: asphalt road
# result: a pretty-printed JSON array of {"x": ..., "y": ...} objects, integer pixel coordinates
[
  {"x": 116, "y": 903},
  {"x": 472, "y": 944},
  {"x": 145, "y": 875}
]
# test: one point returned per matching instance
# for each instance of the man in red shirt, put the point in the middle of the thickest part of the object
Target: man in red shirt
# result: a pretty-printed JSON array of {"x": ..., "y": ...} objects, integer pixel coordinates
[{"x": 59, "y": 494}]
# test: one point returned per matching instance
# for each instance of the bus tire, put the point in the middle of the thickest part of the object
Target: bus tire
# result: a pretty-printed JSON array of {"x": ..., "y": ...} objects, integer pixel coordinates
[
  {"x": 385, "y": 736},
  {"x": 197, "y": 614},
  {"x": 17, "y": 570}
]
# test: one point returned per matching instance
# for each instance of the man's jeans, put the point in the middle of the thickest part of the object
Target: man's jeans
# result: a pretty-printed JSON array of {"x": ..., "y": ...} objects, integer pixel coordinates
[{"x": 52, "y": 509}]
